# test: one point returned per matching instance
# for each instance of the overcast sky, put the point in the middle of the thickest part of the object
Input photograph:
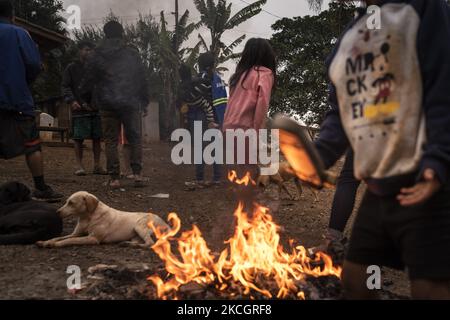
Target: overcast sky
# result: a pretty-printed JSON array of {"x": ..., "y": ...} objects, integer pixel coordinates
[{"x": 93, "y": 12}]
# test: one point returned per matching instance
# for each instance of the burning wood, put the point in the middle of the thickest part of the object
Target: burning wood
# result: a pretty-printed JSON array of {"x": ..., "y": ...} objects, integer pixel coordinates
[{"x": 254, "y": 264}]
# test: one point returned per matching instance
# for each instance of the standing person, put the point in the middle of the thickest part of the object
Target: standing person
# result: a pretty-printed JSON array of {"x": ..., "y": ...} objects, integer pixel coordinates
[
  {"x": 86, "y": 122},
  {"x": 393, "y": 109},
  {"x": 343, "y": 205},
  {"x": 220, "y": 98},
  {"x": 344, "y": 200},
  {"x": 20, "y": 64},
  {"x": 250, "y": 93},
  {"x": 199, "y": 97},
  {"x": 121, "y": 90}
]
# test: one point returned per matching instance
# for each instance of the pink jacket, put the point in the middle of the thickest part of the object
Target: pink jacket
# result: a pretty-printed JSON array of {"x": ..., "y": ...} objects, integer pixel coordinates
[{"x": 248, "y": 108}]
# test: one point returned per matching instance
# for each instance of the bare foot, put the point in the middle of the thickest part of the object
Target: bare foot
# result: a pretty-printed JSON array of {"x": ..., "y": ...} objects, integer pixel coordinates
[{"x": 114, "y": 184}]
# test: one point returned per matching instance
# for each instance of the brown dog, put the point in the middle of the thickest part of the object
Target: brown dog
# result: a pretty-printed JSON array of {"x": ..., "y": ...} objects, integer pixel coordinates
[
  {"x": 98, "y": 223},
  {"x": 285, "y": 174}
]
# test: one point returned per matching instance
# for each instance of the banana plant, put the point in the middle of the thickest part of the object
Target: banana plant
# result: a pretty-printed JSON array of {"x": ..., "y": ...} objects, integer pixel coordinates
[{"x": 217, "y": 17}]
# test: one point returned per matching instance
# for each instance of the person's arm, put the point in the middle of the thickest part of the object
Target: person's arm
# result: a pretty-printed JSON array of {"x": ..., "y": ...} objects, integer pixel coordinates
[
  {"x": 202, "y": 92},
  {"x": 332, "y": 142},
  {"x": 69, "y": 97},
  {"x": 30, "y": 55},
  {"x": 144, "y": 93},
  {"x": 265, "y": 86},
  {"x": 434, "y": 52},
  {"x": 66, "y": 85},
  {"x": 434, "y": 55},
  {"x": 92, "y": 74}
]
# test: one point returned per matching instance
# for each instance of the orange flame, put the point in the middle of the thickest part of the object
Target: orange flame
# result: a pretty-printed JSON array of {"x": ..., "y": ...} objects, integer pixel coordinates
[
  {"x": 246, "y": 180},
  {"x": 254, "y": 250}
]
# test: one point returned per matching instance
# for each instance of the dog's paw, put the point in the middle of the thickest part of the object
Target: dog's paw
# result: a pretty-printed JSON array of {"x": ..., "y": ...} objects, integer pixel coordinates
[
  {"x": 45, "y": 244},
  {"x": 40, "y": 244}
]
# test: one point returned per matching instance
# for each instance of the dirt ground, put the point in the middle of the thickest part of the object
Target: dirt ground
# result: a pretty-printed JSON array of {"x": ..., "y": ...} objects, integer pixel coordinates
[{"x": 27, "y": 272}]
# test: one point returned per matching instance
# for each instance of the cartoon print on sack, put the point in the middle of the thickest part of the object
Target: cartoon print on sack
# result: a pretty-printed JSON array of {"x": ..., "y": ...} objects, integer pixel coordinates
[
  {"x": 371, "y": 83},
  {"x": 384, "y": 84}
]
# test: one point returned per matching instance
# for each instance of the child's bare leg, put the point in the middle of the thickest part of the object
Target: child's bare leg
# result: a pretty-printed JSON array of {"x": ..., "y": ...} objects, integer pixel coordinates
[
  {"x": 354, "y": 279},
  {"x": 78, "y": 145}
]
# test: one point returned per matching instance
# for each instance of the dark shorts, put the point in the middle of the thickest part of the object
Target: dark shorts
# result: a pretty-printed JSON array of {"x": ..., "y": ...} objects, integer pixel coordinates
[
  {"x": 18, "y": 135},
  {"x": 86, "y": 127},
  {"x": 415, "y": 238}
]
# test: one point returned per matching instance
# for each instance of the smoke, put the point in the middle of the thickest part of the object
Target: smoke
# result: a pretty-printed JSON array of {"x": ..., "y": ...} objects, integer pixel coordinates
[{"x": 94, "y": 11}]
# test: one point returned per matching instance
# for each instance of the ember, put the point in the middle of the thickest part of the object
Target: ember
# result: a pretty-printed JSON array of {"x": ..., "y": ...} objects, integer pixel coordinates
[{"x": 254, "y": 264}]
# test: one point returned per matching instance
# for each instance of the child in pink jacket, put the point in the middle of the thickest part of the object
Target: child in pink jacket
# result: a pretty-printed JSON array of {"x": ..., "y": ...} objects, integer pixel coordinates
[
  {"x": 250, "y": 91},
  {"x": 251, "y": 87}
]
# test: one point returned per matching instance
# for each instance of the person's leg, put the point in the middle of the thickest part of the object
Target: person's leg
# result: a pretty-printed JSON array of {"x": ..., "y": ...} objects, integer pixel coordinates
[
  {"x": 370, "y": 245},
  {"x": 81, "y": 131},
  {"x": 217, "y": 172},
  {"x": 35, "y": 164},
  {"x": 78, "y": 147},
  {"x": 19, "y": 136},
  {"x": 423, "y": 234},
  {"x": 125, "y": 166},
  {"x": 96, "y": 136},
  {"x": 199, "y": 167},
  {"x": 217, "y": 169},
  {"x": 111, "y": 127},
  {"x": 430, "y": 290},
  {"x": 132, "y": 123},
  {"x": 344, "y": 197},
  {"x": 97, "y": 150},
  {"x": 354, "y": 280},
  {"x": 200, "y": 172},
  {"x": 246, "y": 194}
]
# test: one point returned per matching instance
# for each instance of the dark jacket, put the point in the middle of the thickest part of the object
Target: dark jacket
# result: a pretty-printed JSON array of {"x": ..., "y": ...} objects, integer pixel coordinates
[
  {"x": 20, "y": 64},
  {"x": 71, "y": 81},
  {"x": 118, "y": 75},
  {"x": 397, "y": 126},
  {"x": 197, "y": 94}
]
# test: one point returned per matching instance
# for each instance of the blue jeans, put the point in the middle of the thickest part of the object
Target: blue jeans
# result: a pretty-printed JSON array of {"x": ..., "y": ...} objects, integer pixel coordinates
[{"x": 195, "y": 116}]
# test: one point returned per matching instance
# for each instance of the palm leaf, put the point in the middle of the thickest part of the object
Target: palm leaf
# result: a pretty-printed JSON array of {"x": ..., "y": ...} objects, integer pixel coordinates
[
  {"x": 228, "y": 50},
  {"x": 203, "y": 42},
  {"x": 315, "y": 5},
  {"x": 245, "y": 14}
]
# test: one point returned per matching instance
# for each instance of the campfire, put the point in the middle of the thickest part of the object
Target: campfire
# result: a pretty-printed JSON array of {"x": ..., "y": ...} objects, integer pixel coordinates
[{"x": 254, "y": 264}]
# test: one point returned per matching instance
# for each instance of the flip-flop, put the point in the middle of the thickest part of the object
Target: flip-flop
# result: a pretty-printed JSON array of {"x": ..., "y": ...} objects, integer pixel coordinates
[
  {"x": 194, "y": 185},
  {"x": 80, "y": 173}
]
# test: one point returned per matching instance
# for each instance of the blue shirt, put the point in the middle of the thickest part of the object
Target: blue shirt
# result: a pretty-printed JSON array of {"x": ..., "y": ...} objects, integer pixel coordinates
[
  {"x": 220, "y": 97},
  {"x": 20, "y": 64}
]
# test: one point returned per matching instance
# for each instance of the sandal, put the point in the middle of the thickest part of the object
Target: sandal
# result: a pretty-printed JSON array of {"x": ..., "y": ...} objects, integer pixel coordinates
[
  {"x": 80, "y": 173},
  {"x": 138, "y": 181},
  {"x": 193, "y": 185}
]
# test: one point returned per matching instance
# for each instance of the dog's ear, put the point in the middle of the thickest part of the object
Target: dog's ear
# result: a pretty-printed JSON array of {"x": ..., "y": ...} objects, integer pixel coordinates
[{"x": 91, "y": 203}]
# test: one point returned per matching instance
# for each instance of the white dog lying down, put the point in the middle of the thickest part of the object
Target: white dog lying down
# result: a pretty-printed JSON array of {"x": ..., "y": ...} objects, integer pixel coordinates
[{"x": 98, "y": 223}]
